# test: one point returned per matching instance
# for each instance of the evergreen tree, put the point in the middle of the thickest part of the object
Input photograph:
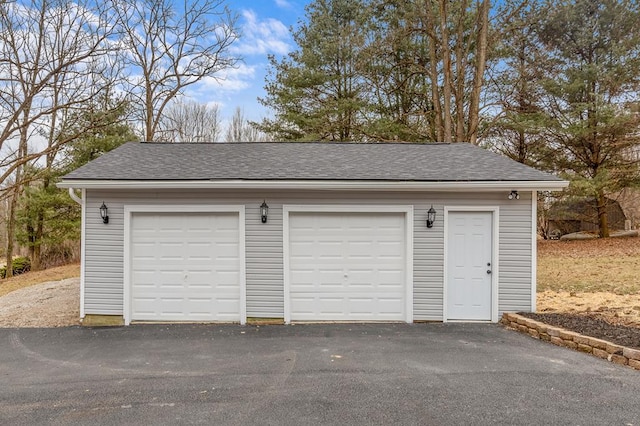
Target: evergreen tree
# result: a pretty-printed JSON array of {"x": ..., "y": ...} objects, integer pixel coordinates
[
  {"x": 316, "y": 92},
  {"x": 400, "y": 103},
  {"x": 593, "y": 50},
  {"x": 102, "y": 128},
  {"x": 47, "y": 217},
  {"x": 519, "y": 129},
  {"x": 377, "y": 70}
]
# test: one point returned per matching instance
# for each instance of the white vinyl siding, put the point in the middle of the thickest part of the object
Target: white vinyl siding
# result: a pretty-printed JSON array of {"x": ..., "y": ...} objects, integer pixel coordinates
[
  {"x": 264, "y": 257},
  {"x": 104, "y": 274},
  {"x": 265, "y": 292},
  {"x": 514, "y": 291}
]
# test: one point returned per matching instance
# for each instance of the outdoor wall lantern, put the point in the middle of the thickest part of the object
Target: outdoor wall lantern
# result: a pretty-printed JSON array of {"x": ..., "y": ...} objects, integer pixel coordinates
[
  {"x": 264, "y": 210},
  {"x": 104, "y": 213},
  {"x": 431, "y": 217},
  {"x": 513, "y": 195}
]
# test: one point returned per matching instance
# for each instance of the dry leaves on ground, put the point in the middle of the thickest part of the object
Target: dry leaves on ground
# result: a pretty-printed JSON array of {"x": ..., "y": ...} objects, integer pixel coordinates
[
  {"x": 37, "y": 277},
  {"x": 590, "y": 266},
  {"x": 617, "y": 309},
  {"x": 599, "y": 278},
  {"x": 599, "y": 247}
]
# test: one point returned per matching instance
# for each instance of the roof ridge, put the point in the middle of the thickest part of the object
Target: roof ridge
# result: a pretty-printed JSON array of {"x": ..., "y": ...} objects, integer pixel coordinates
[{"x": 299, "y": 143}]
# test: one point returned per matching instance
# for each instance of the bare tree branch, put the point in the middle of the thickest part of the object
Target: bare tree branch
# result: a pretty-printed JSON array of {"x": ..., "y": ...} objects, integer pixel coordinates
[{"x": 169, "y": 49}]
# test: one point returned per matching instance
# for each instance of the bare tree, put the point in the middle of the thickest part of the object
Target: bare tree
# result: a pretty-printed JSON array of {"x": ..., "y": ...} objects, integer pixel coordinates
[
  {"x": 241, "y": 130},
  {"x": 190, "y": 122},
  {"x": 172, "y": 45},
  {"x": 47, "y": 49},
  {"x": 459, "y": 33},
  {"x": 53, "y": 59}
]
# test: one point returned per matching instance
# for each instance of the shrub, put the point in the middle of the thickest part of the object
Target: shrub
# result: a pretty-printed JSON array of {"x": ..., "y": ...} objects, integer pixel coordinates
[
  {"x": 20, "y": 266},
  {"x": 59, "y": 254}
]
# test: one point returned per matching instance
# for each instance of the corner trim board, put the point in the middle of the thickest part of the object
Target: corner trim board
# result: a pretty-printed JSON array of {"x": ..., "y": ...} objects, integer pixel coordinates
[
  {"x": 534, "y": 250},
  {"x": 83, "y": 249}
]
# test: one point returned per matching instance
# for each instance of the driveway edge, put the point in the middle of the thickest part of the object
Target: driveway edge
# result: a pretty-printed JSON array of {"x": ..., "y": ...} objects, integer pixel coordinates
[{"x": 569, "y": 339}]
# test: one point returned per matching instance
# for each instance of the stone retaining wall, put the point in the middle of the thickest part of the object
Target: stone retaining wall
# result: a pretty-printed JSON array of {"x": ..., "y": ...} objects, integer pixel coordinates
[{"x": 569, "y": 339}]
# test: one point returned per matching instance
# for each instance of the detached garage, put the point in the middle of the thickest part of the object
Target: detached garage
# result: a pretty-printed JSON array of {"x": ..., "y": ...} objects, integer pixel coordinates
[{"x": 306, "y": 232}]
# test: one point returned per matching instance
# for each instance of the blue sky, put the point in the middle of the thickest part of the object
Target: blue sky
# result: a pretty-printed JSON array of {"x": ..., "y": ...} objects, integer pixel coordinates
[{"x": 264, "y": 25}]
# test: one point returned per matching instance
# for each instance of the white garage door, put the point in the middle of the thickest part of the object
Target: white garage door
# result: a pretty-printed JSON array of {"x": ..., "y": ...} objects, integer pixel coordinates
[
  {"x": 347, "y": 267},
  {"x": 185, "y": 267}
]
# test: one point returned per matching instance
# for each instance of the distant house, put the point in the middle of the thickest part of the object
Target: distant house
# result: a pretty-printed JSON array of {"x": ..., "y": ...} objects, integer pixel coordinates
[
  {"x": 581, "y": 215},
  {"x": 307, "y": 232},
  {"x": 629, "y": 200}
]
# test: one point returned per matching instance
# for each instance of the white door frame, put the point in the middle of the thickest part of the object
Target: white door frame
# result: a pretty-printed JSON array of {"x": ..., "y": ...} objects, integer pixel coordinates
[
  {"x": 495, "y": 267},
  {"x": 341, "y": 208},
  {"x": 184, "y": 208}
]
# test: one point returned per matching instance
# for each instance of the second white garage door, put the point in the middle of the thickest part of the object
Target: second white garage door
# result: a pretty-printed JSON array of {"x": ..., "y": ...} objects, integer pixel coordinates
[
  {"x": 185, "y": 267},
  {"x": 347, "y": 266}
]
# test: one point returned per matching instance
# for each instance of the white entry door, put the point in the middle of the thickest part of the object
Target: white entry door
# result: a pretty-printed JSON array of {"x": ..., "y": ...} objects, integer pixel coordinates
[
  {"x": 185, "y": 267},
  {"x": 347, "y": 266},
  {"x": 469, "y": 266}
]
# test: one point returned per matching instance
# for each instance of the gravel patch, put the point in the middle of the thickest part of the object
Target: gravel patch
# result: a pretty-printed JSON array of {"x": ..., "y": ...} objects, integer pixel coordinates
[{"x": 50, "y": 304}]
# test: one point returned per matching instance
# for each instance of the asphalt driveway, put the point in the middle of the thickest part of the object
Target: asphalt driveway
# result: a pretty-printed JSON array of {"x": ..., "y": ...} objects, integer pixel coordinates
[{"x": 430, "y": 374}]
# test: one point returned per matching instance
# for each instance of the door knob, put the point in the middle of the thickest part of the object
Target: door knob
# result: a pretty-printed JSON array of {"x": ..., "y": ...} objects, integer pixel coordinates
[{"x": 488, "y": 271}]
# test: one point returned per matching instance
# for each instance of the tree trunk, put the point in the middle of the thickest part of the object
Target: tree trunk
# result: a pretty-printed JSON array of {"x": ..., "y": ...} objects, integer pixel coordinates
[
  {"x": 37, "y": 243},
  {"x": 461, "y": 53},
  {"x": 149, "y": 124},
  {"x": 32, "y": 247},
  {"x": 11, "y": 231},
  {"x": 603, "y": 222},
  {"x": 522, "y": 147},
  {"x": 15, "y": 196},
  {"x": 478, "y": 78},
  {"x": 446, "y": 56},
  {"x": 433, "y": 74}
]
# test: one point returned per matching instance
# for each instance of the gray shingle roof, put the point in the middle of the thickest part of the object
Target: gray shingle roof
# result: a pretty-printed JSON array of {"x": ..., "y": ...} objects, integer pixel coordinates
[{"x": 434, "y": 162}]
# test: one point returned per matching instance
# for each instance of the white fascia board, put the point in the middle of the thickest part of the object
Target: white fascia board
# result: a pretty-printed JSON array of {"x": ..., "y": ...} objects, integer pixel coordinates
[{"x": 318, "y": 185}]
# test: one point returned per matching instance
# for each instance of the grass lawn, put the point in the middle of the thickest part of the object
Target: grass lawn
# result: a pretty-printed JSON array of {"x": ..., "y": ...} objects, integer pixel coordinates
[
  {"x": 31, "y": 278},
  {"x": 594, "y": 277},
  {"x": 588, "y": 266}
]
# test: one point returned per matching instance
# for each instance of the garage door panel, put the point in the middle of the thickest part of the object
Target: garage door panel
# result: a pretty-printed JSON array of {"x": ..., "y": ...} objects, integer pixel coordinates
[
  {"x": 185, "y": 267},
  {"x": 347, "y": 266},
  {"x": 167, "y": 308},
  {"x": 389, "y": 248},
  {"x": 348, "y": 308},
  {"x": 390, "y": 278}
]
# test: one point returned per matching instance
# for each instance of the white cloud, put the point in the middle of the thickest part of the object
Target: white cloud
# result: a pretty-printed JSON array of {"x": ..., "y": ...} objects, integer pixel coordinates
[
  {"x": 242, "y": 85},
  {"x": 284, "y": 4},
  {"x": 261, "y": 37},
  {"x": 230, "y": 80}
]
